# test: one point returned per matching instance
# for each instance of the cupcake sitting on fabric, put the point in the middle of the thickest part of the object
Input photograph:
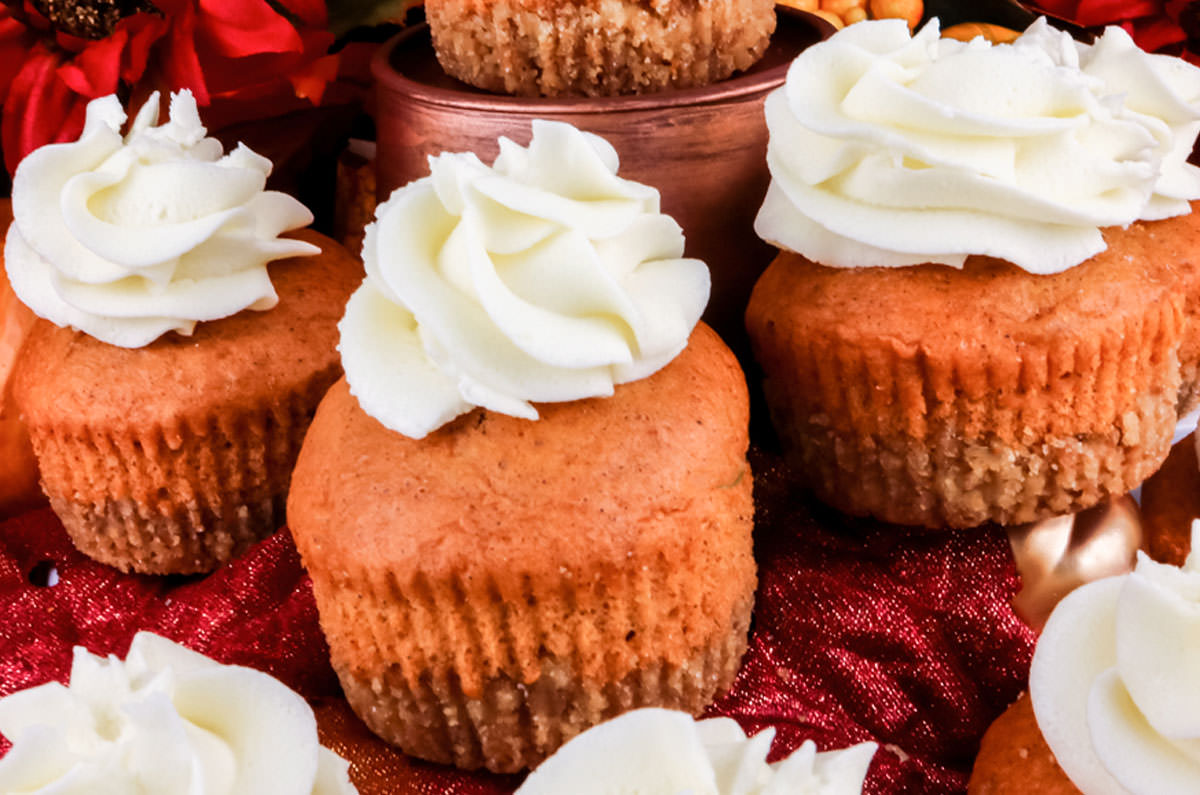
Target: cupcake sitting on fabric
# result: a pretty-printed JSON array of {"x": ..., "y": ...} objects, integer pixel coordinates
[
  {"x": 171, "y": 377},
  {"x": 988, "y": 303},
  {"x": 527, "y": 507}
]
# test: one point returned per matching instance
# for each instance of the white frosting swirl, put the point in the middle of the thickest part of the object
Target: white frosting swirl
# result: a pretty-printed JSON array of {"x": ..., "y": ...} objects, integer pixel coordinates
[
  {"x": 543, "y": 278},
  {"x": 888, "y": 149},
  {"x": 1115, "y": 682},
  {"x": 167, "y": 721},
  {"x": 129, "y": 237},
  {"x": 667, "y": 752}
]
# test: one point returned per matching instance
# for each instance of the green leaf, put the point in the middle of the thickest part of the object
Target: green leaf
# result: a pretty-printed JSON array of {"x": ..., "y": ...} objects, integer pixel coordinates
[{"x": 346, "y": 15}]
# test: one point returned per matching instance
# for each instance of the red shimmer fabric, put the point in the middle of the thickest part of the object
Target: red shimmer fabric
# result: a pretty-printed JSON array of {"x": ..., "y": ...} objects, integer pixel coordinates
[
  {"x": 861, "y": 632},
  {"x": 865, "y": 631}
]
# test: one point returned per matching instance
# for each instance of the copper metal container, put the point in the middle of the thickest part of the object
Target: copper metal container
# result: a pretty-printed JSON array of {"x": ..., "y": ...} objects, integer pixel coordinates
[{"x": 703, "y": 148}]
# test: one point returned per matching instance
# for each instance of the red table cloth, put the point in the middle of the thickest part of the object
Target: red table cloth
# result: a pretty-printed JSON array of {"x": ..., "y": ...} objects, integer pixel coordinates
[{"x": 861, "y": 631}]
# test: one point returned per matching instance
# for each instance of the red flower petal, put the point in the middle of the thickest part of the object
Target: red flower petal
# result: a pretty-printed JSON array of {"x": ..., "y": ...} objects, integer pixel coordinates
[
  {"x": 95, "y": 70},
  {"x": 15, "y": 41},
  {"x": 1155, "y": 34},
  {"x": 310, "y": 12},
  {"x": 145, "y": 30},
  {"x": 40, "y": 108},
  {"x": 1108, "y": 12},
  {"x": 309, "y": 83},
  {"x": 178, "y": 60},
  {"x": 1063, "y": 9},
  {"x": 236, "y": 28}
]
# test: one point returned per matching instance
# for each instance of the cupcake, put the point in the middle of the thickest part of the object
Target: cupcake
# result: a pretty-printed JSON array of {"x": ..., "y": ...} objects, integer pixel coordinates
[
  {"x": 977, "y": 315},
  {"x": 165, "y": 403},
  {"x": 1113, "y": 692},
  {"x": 165, "y": 720},
  {"x": 527, "y": 507},
  {"x": 535, "y": 47},
  {"x": 18, "y": 468}
]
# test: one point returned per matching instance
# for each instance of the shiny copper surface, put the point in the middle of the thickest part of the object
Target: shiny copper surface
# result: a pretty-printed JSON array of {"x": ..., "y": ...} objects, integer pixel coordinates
[
  {"x": 703, "y": 148},
  {"x": 1170, "y": 503},
  {"x": 1057, "y": 555}
]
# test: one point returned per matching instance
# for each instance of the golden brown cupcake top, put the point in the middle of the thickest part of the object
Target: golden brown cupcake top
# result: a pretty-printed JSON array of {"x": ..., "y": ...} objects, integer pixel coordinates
[
  {"x": 71, "y": 373},
  {"x": 989, "y": 303},
  {"x": 482, "y": 464}
]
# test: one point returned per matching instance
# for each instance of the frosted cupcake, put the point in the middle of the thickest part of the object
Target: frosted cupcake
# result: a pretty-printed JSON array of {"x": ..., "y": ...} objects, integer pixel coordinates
[
  {"x": 169, "y": 383},
  {"x": 527, "y": 507},
  {"x": 1114, "y": 696},
  {"x": 978, "y": 313}
]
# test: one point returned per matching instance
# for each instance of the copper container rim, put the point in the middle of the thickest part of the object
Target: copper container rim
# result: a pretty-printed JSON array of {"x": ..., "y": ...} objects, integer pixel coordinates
[{"x": 470, "y": 98}]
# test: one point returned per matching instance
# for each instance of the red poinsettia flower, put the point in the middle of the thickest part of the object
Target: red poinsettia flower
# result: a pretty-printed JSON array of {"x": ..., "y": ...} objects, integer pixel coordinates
[
  {"x": 1156, "y": 25},
  {"x": 243, "y": 59}
]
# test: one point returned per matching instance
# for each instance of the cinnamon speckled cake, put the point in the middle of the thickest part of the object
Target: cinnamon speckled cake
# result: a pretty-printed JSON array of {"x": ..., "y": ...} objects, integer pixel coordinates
[
  {"x": 1034, "y": 396},
  {"x": 495, "y": 588},
  {"x": 168, "y": 384},
  {"x": 176, "y": 457},
  {"x": 527, "y": 508},
  {"x": 981, "y": 310},
  {"x": 597, "y": 47}
]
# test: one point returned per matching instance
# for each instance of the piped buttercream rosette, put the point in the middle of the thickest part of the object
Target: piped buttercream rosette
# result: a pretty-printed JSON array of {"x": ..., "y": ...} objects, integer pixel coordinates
[
  {"x": 165, "y": 720},
  {"x": 889, "y": 150},
  {"x": 128, "y": 236},
  {"x": 1114, "y": 680},
  {"x": 664, "y": 751},
  {"x": 542, "y": 278}
]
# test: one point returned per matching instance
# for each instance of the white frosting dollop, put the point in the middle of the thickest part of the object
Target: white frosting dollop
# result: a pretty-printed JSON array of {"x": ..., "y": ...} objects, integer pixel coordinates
[
  {"x": 888, "y": 149},
  {"x": 166, "y": 721},
  {"x": 543, "y": 278},
  {"x": 1115, "y": 680},
  {"x": 127, "y": 237},
  {"x": 668, "y": 753}
]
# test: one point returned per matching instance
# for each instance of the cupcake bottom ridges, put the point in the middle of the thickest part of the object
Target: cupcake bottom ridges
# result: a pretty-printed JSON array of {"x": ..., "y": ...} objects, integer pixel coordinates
[
  {"x": 613, "y": 47},
  {"x": 176, "y": 457},
  {"x": 1179, "y": 259},
  {"x": 511, "y": 724},
  {"x": 197, "y": 496},
  {"x": 187, "y": 538},
  {"x": 500, "y": 585},
  {"x": 942, "y": 397},
  {"x": 946, "y": 480}
]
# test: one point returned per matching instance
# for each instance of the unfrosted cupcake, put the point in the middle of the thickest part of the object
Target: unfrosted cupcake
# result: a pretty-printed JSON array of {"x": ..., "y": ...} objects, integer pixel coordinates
[
  {"x": 170, "y": 382},
  {"x": 527, "y": 507},
  {"x": 977, "y": 315},
  {"x": 1114, "y": 701},
  {"x": 597, "y": 47}
]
